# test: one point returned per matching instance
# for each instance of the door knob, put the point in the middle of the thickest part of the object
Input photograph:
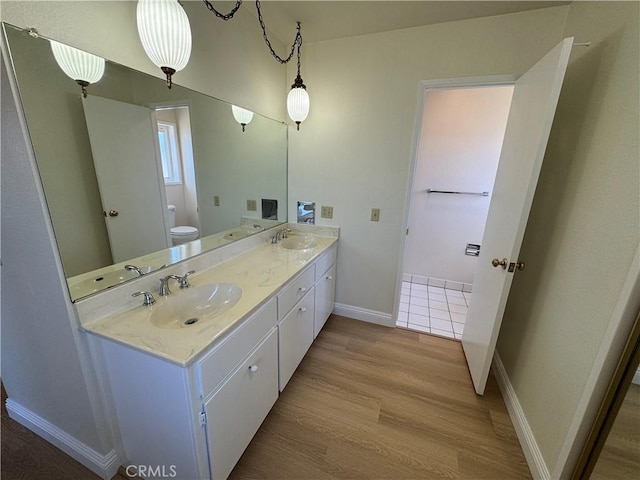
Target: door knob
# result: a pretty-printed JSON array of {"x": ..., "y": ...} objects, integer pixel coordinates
[
  {"x": 500, "y": 263},
  {"x": 113, "y": 213},
  {"x": 520, "y": 265}
]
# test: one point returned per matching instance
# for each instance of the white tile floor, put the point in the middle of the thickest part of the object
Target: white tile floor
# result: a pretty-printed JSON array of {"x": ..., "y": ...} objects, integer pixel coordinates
[{"x": 434, "y": 310}]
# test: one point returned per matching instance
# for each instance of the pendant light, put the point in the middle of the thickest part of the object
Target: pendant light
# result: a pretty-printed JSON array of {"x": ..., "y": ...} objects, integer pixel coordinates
[
  {"x": 165, "y": 34},
  {"x": 80, "y": 66},
  {"x": 242, "y": 116},
  {"x": 298, "y": 98}
]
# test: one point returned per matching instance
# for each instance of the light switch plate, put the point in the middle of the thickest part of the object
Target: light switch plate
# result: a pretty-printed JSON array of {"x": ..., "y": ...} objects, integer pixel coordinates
[
  {"x": 326, "y": 212},
  {"x": 375, "y": 214},
  {"x": 252, "y": 205}
]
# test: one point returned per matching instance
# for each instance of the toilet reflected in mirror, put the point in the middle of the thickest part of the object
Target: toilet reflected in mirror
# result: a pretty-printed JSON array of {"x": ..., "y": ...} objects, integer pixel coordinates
[{"x": 181, "y": 233}]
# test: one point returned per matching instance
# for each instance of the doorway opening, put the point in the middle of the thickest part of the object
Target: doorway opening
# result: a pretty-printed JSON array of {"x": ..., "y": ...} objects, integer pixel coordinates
[
  {"x": 458, "y": 148},
  {"x": 176, "y": 155}
]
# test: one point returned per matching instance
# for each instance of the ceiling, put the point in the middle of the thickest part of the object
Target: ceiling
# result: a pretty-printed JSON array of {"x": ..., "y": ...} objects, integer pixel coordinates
[{"x": 331, "y": 19}]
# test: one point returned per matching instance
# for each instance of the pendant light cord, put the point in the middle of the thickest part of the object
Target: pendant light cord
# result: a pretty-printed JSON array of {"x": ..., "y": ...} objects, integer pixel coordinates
[
  {"x": 297, "y": 41},
  {"x": 223, "y": 16}
]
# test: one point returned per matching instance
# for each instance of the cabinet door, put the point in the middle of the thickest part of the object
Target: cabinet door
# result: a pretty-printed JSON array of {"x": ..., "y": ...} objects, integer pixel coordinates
[
  {"x": 325, "y": 299},
  {"x": 236, "y": 411},
  {"x": 295, "y": 336}
]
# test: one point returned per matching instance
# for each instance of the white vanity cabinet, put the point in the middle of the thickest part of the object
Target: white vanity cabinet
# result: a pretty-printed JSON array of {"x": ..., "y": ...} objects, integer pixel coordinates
[
  {"x": 295, "y": 323},
  {"x": 235, "y": 411},
  {"x": 325, "y": 288},
  {"x": 195, "y": 421},
  {"x": 235, "y": 405}
]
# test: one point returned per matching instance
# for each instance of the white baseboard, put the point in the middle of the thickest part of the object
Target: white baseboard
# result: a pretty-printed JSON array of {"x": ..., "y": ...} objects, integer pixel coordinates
[
  {"x": 105, "y": 466},
  {"x": 636, "y": 377},
  {"x": 532, "y": 453},
  {"x": 364, "y": 314}
]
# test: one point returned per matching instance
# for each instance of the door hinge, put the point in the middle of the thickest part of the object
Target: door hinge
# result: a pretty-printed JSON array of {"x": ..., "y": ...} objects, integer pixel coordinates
[{"x": 203, "y": 418}]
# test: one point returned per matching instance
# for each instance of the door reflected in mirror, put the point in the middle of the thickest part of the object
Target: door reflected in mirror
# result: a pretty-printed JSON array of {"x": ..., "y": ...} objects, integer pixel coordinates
[{"x": 113, "y": 163}]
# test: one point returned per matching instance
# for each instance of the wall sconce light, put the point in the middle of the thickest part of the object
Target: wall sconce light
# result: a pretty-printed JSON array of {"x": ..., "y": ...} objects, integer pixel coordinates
[
  {"x": 165, "y": 33},
  {"x": 80, "y": 66},
  {"x": 242, "y": 116}
]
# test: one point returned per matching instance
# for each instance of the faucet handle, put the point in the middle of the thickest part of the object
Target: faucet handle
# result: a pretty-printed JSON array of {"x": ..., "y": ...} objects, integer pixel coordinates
[
  {"x": 148, "y": 298},
  {"x": 184, "y": 280}
]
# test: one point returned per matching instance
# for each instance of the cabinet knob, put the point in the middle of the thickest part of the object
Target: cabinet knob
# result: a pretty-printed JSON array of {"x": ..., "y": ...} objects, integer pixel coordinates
[
  {"x": 330, "y": 277},
  {"x": 302, "y": 289},
  {"x": 253, "y": 368},
  {"x": 302, "y": 309}
]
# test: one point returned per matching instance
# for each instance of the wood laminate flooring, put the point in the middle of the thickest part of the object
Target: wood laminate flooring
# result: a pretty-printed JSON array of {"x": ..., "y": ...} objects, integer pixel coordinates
[
  {"x": 370, "y": 402},
  {"x": 367, "y": 402},
  {"x": 620, "y": 456}
]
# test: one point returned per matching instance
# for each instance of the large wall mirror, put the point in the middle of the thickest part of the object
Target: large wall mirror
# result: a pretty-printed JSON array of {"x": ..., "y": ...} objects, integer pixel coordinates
[{"x": 124, "y": 166}]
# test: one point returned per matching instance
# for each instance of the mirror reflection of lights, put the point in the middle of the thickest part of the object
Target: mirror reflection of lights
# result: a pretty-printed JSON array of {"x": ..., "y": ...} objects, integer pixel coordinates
[
  {"x": 80, "y": 66},
  {"x": 242, "y": 116}
]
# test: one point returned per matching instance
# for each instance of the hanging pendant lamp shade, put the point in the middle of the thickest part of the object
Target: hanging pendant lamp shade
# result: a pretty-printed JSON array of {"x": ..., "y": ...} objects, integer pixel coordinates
[
  {"x": 80, "y": 66},
  {"x": 298, "y": 102},
  {"x": 165, "y": 34},
  {"x": 242, "y": 116}
]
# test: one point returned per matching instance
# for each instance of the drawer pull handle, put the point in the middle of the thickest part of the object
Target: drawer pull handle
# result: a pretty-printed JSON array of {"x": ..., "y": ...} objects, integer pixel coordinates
[
  {"x": 302, "y": 309},
  {"x": 253, "y": 368},
  {"x": 302, "y": 289}
]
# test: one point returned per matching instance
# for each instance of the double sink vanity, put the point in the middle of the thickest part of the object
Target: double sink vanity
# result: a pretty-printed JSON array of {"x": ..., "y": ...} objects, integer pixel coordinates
[{"x": 188, "y": 380}]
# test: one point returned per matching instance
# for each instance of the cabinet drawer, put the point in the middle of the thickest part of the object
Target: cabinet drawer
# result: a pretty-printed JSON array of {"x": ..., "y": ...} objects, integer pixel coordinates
[
  {"x": 219, "y": 363},
  {"x": 293, "y": 292},
  {"x": 325, "y": 261},
  {"x": 236, "y": 411},
  {"x": 295, "y": 336}
]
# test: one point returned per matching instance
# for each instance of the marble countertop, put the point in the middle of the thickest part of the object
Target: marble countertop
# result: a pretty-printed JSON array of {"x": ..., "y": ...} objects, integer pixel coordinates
[{"x": 259, "y": 272}]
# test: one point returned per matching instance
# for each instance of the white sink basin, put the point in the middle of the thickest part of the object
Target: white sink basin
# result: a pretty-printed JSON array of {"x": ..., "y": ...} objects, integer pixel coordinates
[
  {"x": 299, "y": 242},
  {"x": 196, "y": 306}
]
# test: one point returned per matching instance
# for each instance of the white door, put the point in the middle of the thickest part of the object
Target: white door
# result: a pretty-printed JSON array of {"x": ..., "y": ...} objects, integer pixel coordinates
[
  {"x": 125, "y": 154},
  {"x": 532, "y": 109}
]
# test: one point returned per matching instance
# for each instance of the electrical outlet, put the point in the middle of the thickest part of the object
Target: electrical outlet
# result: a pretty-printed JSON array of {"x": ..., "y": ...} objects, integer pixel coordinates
[
  {"x": 251, "y": 205},
  {"x": 216, "y": 200},
  {"x": 326, "y": 212},
  {"x": 375, "y": 214}
]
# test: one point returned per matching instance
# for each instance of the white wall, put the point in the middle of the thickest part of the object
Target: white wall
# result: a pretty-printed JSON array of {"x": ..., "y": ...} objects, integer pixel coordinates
[
  {"x": 355, "y": 149},
  {"x": 460, "y": 142},
  {"x": 44, "y": 366},
  {"x": 583, "y": 231}
]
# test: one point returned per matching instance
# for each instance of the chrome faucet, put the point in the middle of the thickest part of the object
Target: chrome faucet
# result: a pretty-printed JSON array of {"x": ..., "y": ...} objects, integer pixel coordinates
[
  {"x": 133, "y": 268},
  {"x": 260, "y": 227},
  {"x": 183, "y": 281},
  {"x": 164, "y": 285},
  {"x": 148, "y": 298},
  {"x": 286, "y": 232},
  {"x": 280, "y": 234}
]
